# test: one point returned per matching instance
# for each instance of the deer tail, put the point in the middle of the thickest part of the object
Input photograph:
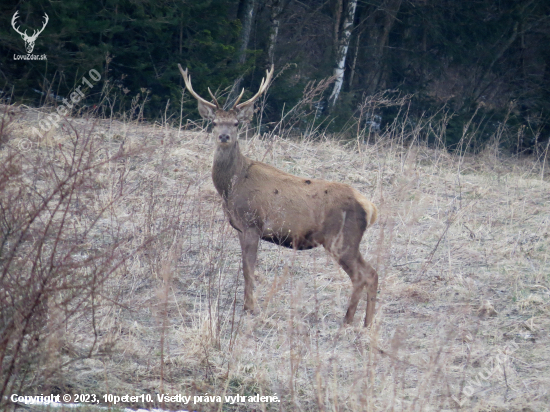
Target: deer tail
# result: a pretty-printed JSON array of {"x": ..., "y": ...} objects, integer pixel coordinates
[{"x": 368, "y": 207}]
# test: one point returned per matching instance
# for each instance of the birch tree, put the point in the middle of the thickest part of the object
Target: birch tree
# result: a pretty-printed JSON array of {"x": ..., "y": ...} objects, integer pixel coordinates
[
  {"x": 342, "y": 51},
  {"x": 277, "y": 7}
]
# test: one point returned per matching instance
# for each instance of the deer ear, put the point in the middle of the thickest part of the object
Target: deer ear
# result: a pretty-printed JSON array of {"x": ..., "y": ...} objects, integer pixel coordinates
[
  {"x": 207, "y": 112},
  {"x": 245, "y": 113}
]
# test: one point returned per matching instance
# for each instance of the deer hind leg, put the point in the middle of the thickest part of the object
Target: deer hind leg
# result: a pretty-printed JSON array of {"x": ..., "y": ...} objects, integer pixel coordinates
[
  {"x": 350, "y": 264},
  {"x": 371, "y": 278},
  {"x": 249, "y": 248},
  {"x": 361, "y": 274}
]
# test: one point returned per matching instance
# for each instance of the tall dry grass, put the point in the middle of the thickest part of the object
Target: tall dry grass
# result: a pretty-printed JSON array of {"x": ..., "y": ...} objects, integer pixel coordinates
[{"x": 145, "y": 292}]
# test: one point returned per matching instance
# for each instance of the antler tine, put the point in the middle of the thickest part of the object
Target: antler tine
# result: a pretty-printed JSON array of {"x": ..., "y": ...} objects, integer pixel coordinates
[
  {"x": 46, "y": 20},
  {"x": 263, "y": 87},
  {"x": 14, "y": 22},
  {"x": 187, "y": 80},
  {"x": 36, "y": 32},
  {"x": 213, "y": 98},
  {"x": 238, "y": 99}
]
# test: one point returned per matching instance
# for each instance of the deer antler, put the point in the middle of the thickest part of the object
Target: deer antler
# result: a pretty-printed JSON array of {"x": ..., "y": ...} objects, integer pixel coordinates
[
  {"x": 238, "y": 98},
  {"x": 36, "y": 33},
  {"x": 13, "y": 22},
  {"x": 263, "y": 87},
  {"x": 213, "y": 98},
  {"x": 187, "y": 80}
]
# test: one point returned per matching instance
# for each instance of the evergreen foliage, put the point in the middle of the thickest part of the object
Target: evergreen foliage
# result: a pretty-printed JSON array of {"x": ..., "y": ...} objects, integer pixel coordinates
[{"x": 466, "y": 57}]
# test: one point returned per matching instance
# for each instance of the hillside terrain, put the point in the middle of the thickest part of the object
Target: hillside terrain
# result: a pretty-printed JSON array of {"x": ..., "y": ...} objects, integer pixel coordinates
[{"x": 151, "y": 298}]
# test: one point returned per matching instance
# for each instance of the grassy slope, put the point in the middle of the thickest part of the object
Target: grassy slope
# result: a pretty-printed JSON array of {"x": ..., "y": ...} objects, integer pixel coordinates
[{"x": 461, "y": 247}]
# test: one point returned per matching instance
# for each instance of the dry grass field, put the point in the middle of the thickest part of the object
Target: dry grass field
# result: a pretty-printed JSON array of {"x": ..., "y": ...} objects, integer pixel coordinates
[{"x": 462, "y": 249}]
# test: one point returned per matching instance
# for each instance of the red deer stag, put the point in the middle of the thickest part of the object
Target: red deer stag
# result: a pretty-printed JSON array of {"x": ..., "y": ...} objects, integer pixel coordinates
[{"x": 263, "y": 202}]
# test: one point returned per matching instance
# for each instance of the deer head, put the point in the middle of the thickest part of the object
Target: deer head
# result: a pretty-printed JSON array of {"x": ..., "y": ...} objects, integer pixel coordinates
[
  {"x": 226, "y": 121},
  {"x": 29, "y": 40}
]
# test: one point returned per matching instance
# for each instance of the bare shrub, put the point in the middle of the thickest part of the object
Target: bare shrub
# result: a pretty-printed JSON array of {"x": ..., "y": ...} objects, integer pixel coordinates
[{"x": 58, "y": 249}]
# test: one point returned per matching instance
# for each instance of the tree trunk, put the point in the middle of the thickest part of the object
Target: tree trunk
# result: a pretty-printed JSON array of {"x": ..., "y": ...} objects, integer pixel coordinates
[
  {"x": 354, "y": 61},
  {"x": 379, "y": 24},
  {"x": 479, "y": 86},
  {"x": 246, "y": 16},
  {"x": 181, "y": 33},
  {"x": 343, "y": 45},
  {"x": 277, "y": 7},
  {"x": 338, "y": 6}
]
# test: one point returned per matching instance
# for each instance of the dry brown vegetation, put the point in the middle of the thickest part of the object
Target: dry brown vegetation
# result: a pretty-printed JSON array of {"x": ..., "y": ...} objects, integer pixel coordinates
[{"x": 150, "y": 297}]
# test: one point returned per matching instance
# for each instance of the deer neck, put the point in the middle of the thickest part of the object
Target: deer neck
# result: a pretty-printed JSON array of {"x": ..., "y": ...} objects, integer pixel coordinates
[{"x": 229, "y": 164}]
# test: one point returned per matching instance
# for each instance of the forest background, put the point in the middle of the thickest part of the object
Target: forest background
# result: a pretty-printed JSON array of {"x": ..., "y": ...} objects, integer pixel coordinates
[{"x": 478, "y": 64}]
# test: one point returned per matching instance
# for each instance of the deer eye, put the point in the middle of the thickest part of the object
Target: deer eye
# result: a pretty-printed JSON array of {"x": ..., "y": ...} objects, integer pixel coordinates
[
  {"x": 215, "y": 122},
  {"x": 236, "y": 123}
]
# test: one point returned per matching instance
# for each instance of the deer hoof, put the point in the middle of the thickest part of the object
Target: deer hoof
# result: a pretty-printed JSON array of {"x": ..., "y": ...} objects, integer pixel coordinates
[{"x": 251, "y": 309}]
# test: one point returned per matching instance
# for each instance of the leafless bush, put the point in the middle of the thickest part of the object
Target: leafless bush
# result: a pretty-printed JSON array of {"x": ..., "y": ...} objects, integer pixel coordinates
[
  {"x": 57, "y": 249},
  {"x": 6, "y": 118},
  {"x": 308, "y": 105}
]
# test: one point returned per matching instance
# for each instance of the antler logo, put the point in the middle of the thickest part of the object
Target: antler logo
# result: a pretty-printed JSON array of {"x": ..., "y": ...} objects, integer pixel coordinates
[{"x": 29, "y": 40}]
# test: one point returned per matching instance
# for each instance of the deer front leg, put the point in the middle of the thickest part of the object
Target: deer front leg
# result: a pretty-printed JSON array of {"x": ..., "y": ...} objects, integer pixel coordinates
[{"x": 249, "y": 248}]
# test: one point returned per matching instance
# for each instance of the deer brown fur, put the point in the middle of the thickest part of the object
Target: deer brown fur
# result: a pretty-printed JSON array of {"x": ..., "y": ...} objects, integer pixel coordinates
[{"x": 265, "y": 203}]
